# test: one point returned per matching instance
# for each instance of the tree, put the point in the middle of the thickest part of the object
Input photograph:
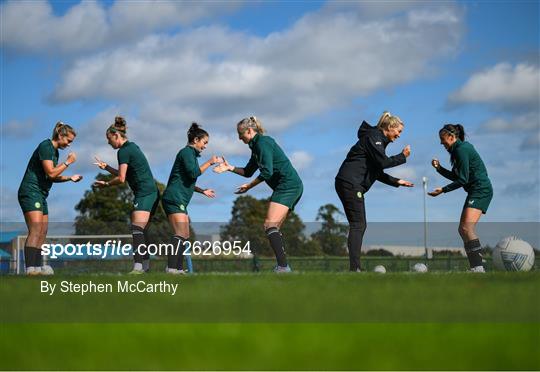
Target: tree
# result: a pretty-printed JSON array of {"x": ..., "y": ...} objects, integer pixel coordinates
[
  {"x": 332, "y": 236},
  {"x": 104, "y": 211},
  {"x": 107, "y": 211},
  {"x": 378, "y": 253},
  {"x": 311, "y": 247},
  {"x": 246, "y": 224}
]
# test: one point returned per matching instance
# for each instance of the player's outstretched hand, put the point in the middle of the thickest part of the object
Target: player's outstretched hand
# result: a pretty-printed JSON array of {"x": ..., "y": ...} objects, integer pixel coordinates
[
  {"x": 437, "y": 191},
  {"x": 242, "y": 189},
  {"x": 223, "y": 167},
  {"x": 76, "y": 178},
  {"x": 215, "y": 160},
  {"x": 209, "y": 193},
  {"x": 435, "y": 163},
  {"x": 99, "y": 163},
  {"x": 100, "y": 184},
  {"x": 407, "y": 151},
  {"x": 405, "y": 183}
]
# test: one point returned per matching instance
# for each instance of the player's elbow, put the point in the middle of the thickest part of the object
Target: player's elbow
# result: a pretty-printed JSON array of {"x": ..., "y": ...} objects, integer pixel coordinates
[
  {"x": 462, "y": 181},
  {"x": 266, "y": 174}
]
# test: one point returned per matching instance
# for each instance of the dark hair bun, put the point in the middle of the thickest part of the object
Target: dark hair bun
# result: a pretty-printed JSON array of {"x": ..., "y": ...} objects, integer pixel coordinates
[
  {"x": 195, "y": 131},
  {"x": 119, "y": 121},
  {"x": 194, "y": 127},
  {"x": 120, "y": 124}
]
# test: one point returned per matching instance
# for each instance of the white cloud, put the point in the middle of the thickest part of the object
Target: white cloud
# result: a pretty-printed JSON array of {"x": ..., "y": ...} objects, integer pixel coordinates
[
  {"x": 218, "y": 76},
  {"x": 531, "y": 142},
  {"x": 18, "y": 129},
  {"x": 525, "y": 122},
  {"x": 502, "y": 86},
  {"x": 160, "y": 143},
  {"x": 403, "y": 172},
  {"x": 227, "y": 145},
  {"x": 32, "y": 26},
  {"x": 301, "y": 160}
]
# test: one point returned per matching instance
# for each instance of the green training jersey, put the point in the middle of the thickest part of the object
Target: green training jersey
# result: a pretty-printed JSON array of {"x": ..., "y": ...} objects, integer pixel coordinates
[
  {"x": 184, "y": 173},
  {"x": 468, "y": 170},
  {"x": 35, "y": 179},
  {"x": 139, "y": 176},
  {"x": 275, "y": 168}
]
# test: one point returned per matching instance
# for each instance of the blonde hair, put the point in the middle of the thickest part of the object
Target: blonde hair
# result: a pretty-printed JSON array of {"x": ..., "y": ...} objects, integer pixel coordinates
[
  {"x": 251, "y": 122},
  {"x": 119, "y": 126},
  {"x": 62, "y": 129},
  {"x": 388, "y": 121}
]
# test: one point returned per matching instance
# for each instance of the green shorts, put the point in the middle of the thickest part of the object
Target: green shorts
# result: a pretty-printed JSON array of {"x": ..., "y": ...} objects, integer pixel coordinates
[
  {"x": 148, "y": 203},
  {"x": 172, "y": 207},
  {"x": 480, "y": 202},
  {"x": 287, "y": 197},
  {"x": 33, "y": 201}
]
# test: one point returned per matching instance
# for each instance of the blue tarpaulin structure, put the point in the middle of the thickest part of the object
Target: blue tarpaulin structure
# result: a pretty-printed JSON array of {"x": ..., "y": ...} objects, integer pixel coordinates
[{"x": 6, "y": 237}]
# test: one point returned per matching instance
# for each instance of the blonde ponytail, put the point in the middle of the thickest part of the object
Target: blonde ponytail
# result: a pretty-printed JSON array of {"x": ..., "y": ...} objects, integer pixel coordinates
[
  {"x": 389, "y": 121},
  {"x": 62, "y": 129},
  {"x": 251, "y": 122}
]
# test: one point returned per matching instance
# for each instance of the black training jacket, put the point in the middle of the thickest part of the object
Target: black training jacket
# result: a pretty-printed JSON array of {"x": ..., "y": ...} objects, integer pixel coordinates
[{"x": 366, "y": 160}]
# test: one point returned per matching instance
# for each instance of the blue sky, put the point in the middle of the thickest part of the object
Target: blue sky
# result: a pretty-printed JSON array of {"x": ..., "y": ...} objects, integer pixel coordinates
[{"x": 311, "y": 71}]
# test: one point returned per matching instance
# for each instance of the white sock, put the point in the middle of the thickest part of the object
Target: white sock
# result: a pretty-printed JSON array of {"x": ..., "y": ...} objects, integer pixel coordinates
[{"x": 138, "y": 266}]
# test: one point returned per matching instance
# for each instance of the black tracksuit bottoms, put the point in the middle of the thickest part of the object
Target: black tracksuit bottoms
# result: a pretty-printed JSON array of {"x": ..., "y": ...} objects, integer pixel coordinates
[{"x": 352, "y": 199}]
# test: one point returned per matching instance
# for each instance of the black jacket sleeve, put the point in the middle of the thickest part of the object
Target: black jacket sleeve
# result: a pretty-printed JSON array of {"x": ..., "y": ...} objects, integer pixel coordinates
[
  {"x": 388, "y": 180},
  {"x": 375, "y": 152}
]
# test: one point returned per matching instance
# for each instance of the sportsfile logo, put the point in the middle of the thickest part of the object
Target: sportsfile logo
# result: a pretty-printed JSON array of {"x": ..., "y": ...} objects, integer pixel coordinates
[{"x": 113, "y": 248}]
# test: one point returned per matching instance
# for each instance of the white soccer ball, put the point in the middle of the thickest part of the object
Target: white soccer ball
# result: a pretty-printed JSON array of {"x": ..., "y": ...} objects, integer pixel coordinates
[
  {"x": 379, "y": 269},
  {"x": 420, "y": 268},
  {"x": 513, "y": 254},
  {"x": 47, "y": 270}
]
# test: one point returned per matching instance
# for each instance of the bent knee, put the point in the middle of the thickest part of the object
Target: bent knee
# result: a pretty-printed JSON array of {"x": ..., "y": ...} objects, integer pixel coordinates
[
  {"x": 269, "y": 224},
  {"x": 465, "y": 230}
]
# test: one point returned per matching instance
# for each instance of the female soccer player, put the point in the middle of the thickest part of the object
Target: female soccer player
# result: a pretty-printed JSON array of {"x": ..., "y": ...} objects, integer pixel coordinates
[
  {"x": 179, "y": 191},
  {"x": 42, "y": 170},
  {"x": 365, "y": 164},
  {"x": 469, "y": 172},
  {"x": 277, "y": 171},
  {"x": 133, "y": 168}
]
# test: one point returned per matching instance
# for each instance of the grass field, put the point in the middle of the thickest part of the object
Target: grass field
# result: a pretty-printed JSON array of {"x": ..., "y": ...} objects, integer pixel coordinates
[{"x": 310, "y": 321}]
